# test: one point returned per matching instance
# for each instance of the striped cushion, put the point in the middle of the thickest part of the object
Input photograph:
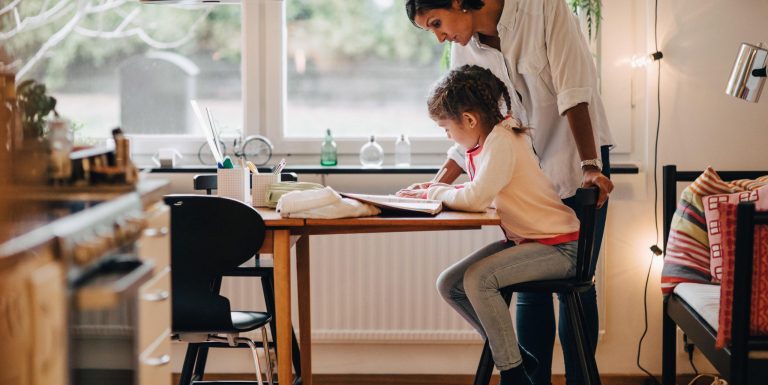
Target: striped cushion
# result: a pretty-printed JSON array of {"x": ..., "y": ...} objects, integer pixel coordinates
[{"x": 687, "y": 254}]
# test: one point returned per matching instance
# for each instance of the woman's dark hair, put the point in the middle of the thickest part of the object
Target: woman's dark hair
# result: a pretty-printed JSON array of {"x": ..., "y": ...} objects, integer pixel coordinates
[
  {"x": 415, "y": 7},
  {"x": 469, "y": 88}
]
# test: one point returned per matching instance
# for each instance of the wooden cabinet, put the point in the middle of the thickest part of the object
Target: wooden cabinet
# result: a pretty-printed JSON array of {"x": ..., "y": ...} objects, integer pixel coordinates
[
  {"x": 33, "y": 323},
  {"x": 154, "y": 302}
]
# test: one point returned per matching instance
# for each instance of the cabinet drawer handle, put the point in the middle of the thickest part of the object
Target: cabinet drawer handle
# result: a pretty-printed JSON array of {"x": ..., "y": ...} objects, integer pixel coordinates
[
  {"x": 158, "y": 296},
  {"x": 156, "y": 233},
  {"x": 159, "y": 361}
]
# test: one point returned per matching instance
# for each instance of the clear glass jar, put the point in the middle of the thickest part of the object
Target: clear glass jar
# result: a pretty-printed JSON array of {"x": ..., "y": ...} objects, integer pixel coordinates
[
  {"x": 371, "y": 154},
  {"x": 60, "y": 144},
  {"x": 402, "y": 151}
]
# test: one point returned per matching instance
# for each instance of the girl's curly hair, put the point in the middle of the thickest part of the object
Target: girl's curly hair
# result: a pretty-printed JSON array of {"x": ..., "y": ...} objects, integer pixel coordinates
[{"x": 469, "y": 88}]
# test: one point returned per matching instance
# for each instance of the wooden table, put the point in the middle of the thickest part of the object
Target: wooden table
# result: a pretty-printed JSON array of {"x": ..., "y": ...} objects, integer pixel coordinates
[{"x": 283, "y": 233}]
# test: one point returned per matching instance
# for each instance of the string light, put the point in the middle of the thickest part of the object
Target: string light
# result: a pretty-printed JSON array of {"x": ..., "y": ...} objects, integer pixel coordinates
[{"x": 643, "y": 61}]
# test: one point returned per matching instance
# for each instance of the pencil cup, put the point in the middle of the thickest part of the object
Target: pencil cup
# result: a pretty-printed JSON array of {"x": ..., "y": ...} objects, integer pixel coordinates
[
  {"x": 233, "y": 183},
  {"x": 260, "y": 187}
]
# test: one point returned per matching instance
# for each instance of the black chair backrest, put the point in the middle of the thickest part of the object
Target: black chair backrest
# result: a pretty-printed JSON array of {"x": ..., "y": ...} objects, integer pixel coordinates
[
  {"x": 208, "y": 182},
  {"x": 586, "y": 198},
  {"x": 210, "y": 235}
]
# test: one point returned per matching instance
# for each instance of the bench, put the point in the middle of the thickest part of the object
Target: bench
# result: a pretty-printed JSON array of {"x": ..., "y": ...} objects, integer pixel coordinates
[{"x": 694, "y": 308}]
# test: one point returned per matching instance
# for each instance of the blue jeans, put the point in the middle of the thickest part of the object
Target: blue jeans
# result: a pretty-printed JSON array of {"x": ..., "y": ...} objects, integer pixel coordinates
[{"x": 535, "y": 314}]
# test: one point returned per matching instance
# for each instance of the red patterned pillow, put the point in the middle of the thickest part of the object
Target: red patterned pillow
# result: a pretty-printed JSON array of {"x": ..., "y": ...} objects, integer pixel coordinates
[
  {"x": 714, "y": 223},
  {"x": 758, "y": 323}
]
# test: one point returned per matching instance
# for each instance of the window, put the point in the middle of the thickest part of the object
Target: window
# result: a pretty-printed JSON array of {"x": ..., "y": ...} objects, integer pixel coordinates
[
  {"x": 116, "y": 63},
  {"x": 357, "y": 67}
]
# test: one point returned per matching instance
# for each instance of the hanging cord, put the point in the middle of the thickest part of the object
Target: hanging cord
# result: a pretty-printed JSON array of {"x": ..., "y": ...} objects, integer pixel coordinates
[{"x": 655, "y": 248}]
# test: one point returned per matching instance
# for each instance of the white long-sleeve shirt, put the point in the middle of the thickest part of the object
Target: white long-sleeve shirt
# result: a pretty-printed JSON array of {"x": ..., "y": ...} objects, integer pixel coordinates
[
  {"x": 505, "y": 173},
  {"x": 545, "y": 58}
]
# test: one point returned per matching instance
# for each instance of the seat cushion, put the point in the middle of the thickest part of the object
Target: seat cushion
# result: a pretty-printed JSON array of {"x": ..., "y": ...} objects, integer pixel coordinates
[
  {"x": 703, "y": 298},
  {"x": 249, "y": 320}
]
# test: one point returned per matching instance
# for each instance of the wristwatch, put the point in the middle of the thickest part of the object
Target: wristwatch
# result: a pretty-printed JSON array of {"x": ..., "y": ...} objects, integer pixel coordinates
[{"x": 593, "y": 162}]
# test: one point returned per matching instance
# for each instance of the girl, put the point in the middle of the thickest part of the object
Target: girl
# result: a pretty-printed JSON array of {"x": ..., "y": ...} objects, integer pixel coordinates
[
  {"x": 537, "y": 48},
  {"x": 541, "y": 232}
]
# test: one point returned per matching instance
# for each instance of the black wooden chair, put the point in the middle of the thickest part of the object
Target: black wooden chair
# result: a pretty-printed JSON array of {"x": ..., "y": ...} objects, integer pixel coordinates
[
  {"x": 744, "y": 362},
  {"x": 570, "y": 288},
  {"x": 261, "y": 268},
  {"x": 211, "y": 236}
]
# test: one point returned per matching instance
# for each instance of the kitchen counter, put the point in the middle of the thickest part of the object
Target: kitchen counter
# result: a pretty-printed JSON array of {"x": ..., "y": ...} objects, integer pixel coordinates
[{"x": 28, "y": 217}]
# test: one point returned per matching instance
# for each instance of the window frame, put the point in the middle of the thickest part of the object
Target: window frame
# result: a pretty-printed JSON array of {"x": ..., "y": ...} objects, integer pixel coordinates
[{"x": 264, "y": 84}]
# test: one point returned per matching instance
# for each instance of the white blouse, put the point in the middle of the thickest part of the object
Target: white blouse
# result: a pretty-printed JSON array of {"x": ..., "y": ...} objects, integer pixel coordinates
[{"x": 544, "y": 56}]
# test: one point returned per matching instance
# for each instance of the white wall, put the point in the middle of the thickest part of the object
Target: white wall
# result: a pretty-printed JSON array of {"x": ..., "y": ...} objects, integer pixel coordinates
[{"x": 700, "y": 126}]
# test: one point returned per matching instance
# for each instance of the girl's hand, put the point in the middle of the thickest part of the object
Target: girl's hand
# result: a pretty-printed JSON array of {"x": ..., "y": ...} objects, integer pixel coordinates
[
  {"x": 419, "y": 186},
  {"x": 412, "y": 193}
]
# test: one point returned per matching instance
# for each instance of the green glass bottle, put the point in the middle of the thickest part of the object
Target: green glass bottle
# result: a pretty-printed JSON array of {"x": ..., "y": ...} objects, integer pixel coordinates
[{"x": 328, "y": 150}]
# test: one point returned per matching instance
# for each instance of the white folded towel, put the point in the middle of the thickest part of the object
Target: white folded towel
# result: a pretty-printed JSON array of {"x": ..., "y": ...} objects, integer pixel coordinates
[
  {"x": 323, "y": 203},
  {"x": 302, "y": 200},
  {"x": 346, "y": 208}
]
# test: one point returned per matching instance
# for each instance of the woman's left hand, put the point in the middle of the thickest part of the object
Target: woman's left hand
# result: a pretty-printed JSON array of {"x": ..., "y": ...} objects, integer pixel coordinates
[
  {"x": 412, "y": 193},
  {"x": 593, "y": 177}
]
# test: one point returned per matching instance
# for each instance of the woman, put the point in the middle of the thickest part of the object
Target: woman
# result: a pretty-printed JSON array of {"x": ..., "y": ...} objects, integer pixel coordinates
[{"x": 538, "y": 50}]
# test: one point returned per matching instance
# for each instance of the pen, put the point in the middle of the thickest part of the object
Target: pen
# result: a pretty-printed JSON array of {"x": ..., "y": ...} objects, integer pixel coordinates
[
  {"x": 280, "y": 166},
  {"x": 439, "y": 175},
  {"x": 252, "y": 167}
]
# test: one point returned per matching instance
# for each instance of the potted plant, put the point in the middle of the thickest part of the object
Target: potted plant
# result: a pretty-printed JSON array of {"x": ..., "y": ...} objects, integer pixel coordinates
[
  {"x": 34, "y": 107},
  {"x": 589, "y": 10}
]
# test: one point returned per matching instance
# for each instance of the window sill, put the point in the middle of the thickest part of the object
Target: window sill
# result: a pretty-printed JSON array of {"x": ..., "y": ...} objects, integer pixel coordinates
[{"x": 355, "y": 169}]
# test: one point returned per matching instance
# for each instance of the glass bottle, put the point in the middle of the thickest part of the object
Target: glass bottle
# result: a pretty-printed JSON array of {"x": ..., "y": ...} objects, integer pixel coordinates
[
  {"x": 328, "y": 150},
  {"x": 371, "y": 154},
  {"x": 402, "y": 152},
  {"x": 60, "y": 144}
]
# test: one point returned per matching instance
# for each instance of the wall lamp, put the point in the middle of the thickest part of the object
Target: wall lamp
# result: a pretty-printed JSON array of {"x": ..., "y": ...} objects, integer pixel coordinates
[
  {"x": 748, "y": 74},
  {"x": 643, "y": 61}
]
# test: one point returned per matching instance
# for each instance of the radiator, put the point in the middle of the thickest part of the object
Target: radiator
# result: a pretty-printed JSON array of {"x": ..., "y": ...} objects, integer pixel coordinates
[{"x": 379, "y": 287}]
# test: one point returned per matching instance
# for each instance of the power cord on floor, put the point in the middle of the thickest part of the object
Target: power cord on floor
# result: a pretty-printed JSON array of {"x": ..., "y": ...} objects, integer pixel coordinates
[
  {"x": 715, "y": 379},
  {"x": 689, "y": 347}
]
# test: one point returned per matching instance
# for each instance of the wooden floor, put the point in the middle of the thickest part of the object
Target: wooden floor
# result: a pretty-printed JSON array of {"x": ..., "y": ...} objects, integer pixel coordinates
[{"x": 430, "y": 379}]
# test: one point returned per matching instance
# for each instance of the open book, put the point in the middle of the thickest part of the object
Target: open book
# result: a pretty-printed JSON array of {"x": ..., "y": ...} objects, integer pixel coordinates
[{"x": 394, "y": 203}]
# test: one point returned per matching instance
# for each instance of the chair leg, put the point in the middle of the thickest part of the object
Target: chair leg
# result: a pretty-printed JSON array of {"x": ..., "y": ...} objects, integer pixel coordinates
[
  {"x": 485, "y": 366},
  {"x": 202, "y": 358},
  {"x": 270, "y": 366},
  {"x": 189, "y": 362},
  {"x": 583, "y": 349},
  {"x": 590, "y": 350},
  {"x": 255, "y": 354}
]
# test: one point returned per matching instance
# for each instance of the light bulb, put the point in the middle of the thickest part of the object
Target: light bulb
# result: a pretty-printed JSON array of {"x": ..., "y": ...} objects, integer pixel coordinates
[{"x": 642, "y": 61}]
